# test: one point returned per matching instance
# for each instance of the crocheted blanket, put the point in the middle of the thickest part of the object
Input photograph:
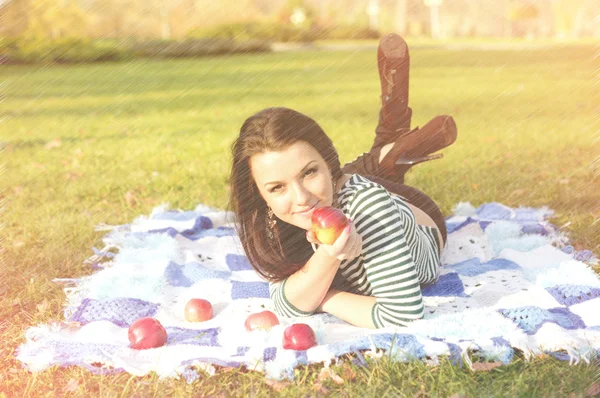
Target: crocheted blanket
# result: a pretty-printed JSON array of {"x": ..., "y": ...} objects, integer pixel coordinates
[{"x": 509, "y": 281}]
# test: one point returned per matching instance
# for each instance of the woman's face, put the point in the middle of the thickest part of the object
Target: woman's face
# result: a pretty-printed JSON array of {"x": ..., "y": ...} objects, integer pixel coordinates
[{"x": 293, "y": 182}]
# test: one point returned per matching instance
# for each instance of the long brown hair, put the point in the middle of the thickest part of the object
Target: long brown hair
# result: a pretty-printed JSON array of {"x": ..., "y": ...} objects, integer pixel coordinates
[{"x": 273, "y": 129}]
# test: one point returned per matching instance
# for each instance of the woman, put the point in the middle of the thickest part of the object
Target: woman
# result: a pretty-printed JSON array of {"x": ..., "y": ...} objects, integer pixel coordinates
[{"x": 285, "y": 166}]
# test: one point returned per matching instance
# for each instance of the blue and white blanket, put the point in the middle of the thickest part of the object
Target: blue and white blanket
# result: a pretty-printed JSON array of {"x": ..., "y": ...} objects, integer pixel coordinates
[{"x": 509, "y": 281}]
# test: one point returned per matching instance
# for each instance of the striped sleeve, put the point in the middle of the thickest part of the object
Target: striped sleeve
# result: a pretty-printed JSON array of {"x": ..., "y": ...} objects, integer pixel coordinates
[
  {"x": 389, "y": 265},
  {"x": 282, "y": 306}
]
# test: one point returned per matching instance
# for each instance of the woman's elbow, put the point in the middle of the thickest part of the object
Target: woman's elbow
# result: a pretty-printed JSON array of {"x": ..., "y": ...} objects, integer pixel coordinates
[
  {"x": 288, "y": 310},
  {"x": 388, "y": 317}
]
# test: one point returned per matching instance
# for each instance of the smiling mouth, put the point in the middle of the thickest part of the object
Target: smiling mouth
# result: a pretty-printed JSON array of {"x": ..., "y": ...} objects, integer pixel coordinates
[{"x": 303, "y": 213}]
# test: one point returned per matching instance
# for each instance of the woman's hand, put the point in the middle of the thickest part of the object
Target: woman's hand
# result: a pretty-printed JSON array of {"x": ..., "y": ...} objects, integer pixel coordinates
[{"x": 346, "y": 247}]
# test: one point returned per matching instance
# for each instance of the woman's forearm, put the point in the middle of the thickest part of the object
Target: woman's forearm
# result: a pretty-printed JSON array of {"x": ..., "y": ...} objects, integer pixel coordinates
[
  {"x": 306, "y": 288},
  {"x": 352, "y": 308}
]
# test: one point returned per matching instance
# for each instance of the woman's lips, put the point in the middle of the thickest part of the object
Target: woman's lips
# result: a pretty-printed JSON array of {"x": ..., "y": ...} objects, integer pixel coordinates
[{"x": 307, "y": 212}]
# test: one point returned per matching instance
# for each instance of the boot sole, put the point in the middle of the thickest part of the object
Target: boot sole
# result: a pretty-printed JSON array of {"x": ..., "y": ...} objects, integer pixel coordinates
[
  {"x": 393, "y": 46},
  {"x": 392, "y": 57}
]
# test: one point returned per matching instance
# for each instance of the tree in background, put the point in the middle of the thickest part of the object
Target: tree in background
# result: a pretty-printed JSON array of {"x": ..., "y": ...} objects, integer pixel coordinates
[
  {"x": 13, "y": 17},
  {"x": 45, "y": 19},
  {"x": 121, "y": 19},
  {"x": 572, "y": 18},
  {"x": 400, "y": 17},
  {"x": 297, "y": 12},
  {"x": 167, "y": 19}
]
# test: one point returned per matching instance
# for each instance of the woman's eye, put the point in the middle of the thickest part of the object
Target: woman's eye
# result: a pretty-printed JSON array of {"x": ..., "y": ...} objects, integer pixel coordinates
[
  {"x": 275, "y": 188},
  {"x": 310, "y": 171}
]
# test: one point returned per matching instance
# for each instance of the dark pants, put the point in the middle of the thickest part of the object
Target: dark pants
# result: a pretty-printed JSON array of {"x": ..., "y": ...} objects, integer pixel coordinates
[{"x": 417, "y": 199}]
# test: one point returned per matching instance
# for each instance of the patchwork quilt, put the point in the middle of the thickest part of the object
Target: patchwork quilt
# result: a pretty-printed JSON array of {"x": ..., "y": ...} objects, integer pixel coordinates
[{"x": 510, "y": 281}]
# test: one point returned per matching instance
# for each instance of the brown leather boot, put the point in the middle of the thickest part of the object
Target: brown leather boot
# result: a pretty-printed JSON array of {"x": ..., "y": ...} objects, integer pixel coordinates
[
  {"x": 393, "y": 62},
  {"x": 417, "y": 146},
  {"x": 410, "y": 146},
  {"x": 408, "y": 150}
]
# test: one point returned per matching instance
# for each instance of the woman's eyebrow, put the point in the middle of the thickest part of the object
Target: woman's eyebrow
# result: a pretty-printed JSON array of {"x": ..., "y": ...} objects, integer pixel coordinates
[{"x": 301, "y": 171}]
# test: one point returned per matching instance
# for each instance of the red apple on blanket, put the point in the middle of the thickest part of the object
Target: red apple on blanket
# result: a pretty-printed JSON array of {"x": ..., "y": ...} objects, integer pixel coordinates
[
  {"x": 147, "y": 333},
  {"x": 299, "y": 336},
  {"x": 261, "y": 321},
  {"x": 198, "y": 310},
  {"x": 328, "y": 223}
]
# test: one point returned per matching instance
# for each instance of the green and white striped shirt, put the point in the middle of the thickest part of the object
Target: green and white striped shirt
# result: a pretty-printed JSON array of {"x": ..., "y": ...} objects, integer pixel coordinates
[{"x": 397, "y": 256}]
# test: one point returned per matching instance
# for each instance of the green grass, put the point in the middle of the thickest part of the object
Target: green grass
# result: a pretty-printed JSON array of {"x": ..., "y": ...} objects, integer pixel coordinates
[{"x": 105, "y": 143}]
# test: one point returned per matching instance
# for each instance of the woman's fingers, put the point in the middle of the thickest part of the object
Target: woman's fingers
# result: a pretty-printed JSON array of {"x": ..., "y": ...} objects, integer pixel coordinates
[
  {"x": 311, "y": 237},
  {"x": 356, "y": 246},
  {"x": 342, "y": 240},
  {"x": 347, "y": 246}
]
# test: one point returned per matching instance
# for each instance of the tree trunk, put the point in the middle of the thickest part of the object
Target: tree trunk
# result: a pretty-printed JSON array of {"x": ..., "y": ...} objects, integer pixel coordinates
[
  {"x": 585, "y": 8},
  {"x": 507, "y": 21},
  {"x": 165, "y": 26},
  {"x": 400, "y": 20},
  {"x": 434, "y": 12}
]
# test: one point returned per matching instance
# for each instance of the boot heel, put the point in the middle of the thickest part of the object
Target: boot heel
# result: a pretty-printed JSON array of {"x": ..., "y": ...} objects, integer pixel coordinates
[{"x": 412, "y": 161}]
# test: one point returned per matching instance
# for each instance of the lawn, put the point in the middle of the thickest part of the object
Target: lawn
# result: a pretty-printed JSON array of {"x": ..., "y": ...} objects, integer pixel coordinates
[{"x": 105, "y": 143}]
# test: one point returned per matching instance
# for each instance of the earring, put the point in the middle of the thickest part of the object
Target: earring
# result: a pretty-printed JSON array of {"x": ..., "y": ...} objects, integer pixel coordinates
[{"x": 270, "y": 223}]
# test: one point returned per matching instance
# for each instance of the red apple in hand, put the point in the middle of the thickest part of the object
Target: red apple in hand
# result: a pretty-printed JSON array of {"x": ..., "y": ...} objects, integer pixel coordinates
[
  {"x": 261, "y": 320},
  {"x": 299, "y": 336},
  {"x": 198, "y": 310},
  {"x": 147, "y": 333},
  {"x": 328, "y": 223}
]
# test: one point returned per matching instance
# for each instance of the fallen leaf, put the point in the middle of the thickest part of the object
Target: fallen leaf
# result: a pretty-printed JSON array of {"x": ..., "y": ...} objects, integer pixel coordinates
[
  {"x": 564, "y": 181},
  {"x": 71, "y": 386},
  {"x": 42, "y": 307},
  {"x": 220, "y": 395},
  {"x": 328, "y": 373},
  {"x": 348, "y": 373},
  {"x": 130, "y": 199},
  {"x": 40, "y": 166},
  {"x": 227, "y": 369},
  {"x": 320, "y": 388},
  {"x": 485, "y": 366},
  {"x": 73, "y": 175},
  {"x": 475, "y": 186},
  {"x": 17, "y": 190},
  {"x": 518, "y": 191},
  {"x": 70, "y": 326},
  {"x": 593, "y": 391},
  {"x": 55, "y": 143},
  {"x": 277, "y": 385}
]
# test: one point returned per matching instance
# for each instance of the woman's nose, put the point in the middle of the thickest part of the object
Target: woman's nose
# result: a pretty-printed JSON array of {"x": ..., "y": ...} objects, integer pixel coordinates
[{"x": 301, "y": 194}]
